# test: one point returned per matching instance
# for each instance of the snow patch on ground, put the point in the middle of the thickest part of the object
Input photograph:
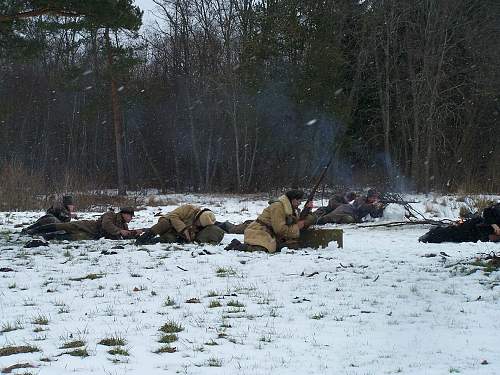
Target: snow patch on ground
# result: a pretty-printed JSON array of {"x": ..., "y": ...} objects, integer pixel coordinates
[{"x": 380, "y": 305}]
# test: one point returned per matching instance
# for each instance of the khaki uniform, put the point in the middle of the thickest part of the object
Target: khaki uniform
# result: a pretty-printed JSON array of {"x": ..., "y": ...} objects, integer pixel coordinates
[
  {"x": 108, "y": 226},
  {"x": 171, "y": 227},
  {"x": 276, "y": 225}
]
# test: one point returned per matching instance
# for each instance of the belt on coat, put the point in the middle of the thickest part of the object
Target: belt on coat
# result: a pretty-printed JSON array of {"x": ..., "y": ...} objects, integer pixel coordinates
[{"x": 267, "y": 226}]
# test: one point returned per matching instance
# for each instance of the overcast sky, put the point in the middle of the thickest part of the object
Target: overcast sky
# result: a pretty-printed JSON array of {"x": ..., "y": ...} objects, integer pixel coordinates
[{"x": 147, "y": 6}]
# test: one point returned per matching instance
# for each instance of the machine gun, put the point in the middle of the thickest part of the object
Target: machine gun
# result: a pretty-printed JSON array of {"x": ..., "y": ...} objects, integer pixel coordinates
[
  {"x": 307, "y": 210},
  {"x": 386, "y": 198}
]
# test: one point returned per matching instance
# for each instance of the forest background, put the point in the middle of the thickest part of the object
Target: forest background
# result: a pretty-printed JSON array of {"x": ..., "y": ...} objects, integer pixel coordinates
[{"x": 249, "y": 95}]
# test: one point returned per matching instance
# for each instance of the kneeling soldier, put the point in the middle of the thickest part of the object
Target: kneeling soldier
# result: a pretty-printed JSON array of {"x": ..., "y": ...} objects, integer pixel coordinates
[
  {"x": 187, "y": 223},
  {"x": 111, "y": 225},
  {"x": 276, "y": 227}
]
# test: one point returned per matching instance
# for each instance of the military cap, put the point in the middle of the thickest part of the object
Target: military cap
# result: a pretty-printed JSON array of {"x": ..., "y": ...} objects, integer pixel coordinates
[
  {"x": 127, "y": 210},
  {"x": 67, "y": 200},
  {"x": 294, "y": 194}
]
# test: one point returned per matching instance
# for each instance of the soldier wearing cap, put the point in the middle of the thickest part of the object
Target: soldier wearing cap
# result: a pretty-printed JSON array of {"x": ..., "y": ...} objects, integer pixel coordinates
[
  {"x": 110, "y": 225},
  {"x": 59, "y": 212},
  {"x": 187, "y": 223}
]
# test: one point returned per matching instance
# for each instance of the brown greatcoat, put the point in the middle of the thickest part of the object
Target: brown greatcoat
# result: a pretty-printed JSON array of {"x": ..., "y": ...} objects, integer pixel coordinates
[
  {"x": 276, "y": 224},
  {"x": 108, "y": 225},
  {"x": 178, "y": 220}
]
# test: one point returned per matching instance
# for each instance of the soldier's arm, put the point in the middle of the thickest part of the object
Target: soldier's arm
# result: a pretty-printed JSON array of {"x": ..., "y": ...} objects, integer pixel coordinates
[
  {"x": 109, "y": 226},
  {"x": 59, "y": 211},
  {"x": 175, "y": 218},
  {"x": 377, "y": 210},
  {"x": 278, "y": 222}
]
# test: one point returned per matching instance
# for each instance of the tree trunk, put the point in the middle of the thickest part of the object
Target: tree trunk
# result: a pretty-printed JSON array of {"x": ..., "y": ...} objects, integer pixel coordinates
[{"x": 118, "y": 126}]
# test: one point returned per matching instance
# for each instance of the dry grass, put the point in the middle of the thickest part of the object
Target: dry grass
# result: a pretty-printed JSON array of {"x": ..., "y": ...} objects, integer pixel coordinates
[
  {"x": 112, "y": 341},
  {"x": 10, "y": 350},
  {"x": 19, "y": 188},
  {"x": 22, "y": 189}
]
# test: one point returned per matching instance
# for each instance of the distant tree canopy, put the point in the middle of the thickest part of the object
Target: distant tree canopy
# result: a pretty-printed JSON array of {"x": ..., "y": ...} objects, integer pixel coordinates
[
  {"x": 245, "y": 95},
  {"x": 114, "y": 14}
]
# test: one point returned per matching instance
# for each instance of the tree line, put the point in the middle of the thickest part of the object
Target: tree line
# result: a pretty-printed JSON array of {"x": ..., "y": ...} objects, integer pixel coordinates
[{"x": 250, "y": 95}]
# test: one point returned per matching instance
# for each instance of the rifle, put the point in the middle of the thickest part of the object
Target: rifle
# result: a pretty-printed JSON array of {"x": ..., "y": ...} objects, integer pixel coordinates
[
  {"x": 395, "y": 201},
  {"x": 306, "y": 211}
]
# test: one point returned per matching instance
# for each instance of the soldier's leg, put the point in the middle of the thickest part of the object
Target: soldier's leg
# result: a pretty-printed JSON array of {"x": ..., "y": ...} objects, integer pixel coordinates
[
  {"x": 63, "y": 236},
  {"x": 291, "y": 244},
  {"x": 211, "y": 234},
  {"x": 49, "y": 228},
  {"x": 336, "y": 218},
  {"x": 251, "y": 248},
  {"x": 44, "y": 220},
  {"x": 163, "y": 225},
  {"x": 229, "y": 227},
  {"x": 171, "y": 237},
  {"x": 148, "y": 237}
]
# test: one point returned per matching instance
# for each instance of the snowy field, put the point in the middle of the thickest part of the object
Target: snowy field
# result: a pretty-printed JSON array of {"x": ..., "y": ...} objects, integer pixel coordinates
[{"x": 383, "y": 304}]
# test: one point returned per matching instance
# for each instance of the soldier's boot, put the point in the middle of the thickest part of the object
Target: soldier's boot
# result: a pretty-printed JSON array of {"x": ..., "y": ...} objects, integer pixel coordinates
[
  {"x": 235, "y": 244},
  {"x": 59, "y": 235},
  {"x": 424, "y": 238},
  {"x": 238, "y": 246},
  {"x": 147, "y": 238}
]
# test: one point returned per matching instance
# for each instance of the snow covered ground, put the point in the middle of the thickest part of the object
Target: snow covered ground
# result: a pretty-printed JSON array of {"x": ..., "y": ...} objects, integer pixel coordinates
[{"x": 382, "y": 304}]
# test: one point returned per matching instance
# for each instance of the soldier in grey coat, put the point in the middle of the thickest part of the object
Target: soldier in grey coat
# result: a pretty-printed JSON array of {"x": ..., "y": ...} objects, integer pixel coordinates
[
  {"x": 355, "y": 211},
  {"x": 59, "y": 212}
]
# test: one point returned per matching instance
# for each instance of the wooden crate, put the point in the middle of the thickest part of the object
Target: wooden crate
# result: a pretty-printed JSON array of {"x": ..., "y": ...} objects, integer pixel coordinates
[{"x": 317, "y": 238}]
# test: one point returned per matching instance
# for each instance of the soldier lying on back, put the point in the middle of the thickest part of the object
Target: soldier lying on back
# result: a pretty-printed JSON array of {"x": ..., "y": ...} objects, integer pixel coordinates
[
  {"x": 187, "y": 223},
  {"x": 480, "y": 228},
  {"x": 276, "y": 227},
  {"x": 59, "y": 212},
  {"x": 110, "y": 225},
  {"x": 355, "y": 211}
]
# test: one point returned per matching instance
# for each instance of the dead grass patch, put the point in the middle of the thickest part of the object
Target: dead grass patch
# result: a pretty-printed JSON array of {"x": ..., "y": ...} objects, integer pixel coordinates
[
  {"x": 11, "y": 350},
  {"x": 90, "y": 276},
  {"x": 8, "y": 370}
]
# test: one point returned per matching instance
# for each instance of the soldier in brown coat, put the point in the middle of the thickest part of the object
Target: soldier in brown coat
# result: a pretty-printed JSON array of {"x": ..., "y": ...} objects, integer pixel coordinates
[
  {"x": 110, "y": 225},
  {"x": 276, "y": 227},
  {"x": 187, "y": 223},
  {"x": 59, "y": 212}
]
